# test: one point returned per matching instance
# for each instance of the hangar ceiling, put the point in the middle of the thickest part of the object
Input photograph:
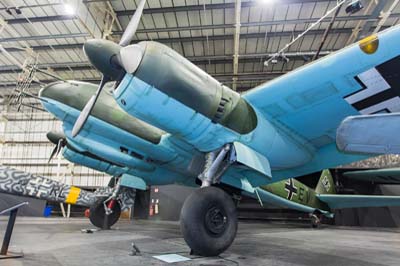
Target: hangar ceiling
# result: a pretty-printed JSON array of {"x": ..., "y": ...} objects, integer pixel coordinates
[{"x": 202, "y": 31}]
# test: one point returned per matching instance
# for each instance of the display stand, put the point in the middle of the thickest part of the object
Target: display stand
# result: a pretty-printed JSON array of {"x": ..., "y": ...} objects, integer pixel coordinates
[{"x": 4, "y": 254}]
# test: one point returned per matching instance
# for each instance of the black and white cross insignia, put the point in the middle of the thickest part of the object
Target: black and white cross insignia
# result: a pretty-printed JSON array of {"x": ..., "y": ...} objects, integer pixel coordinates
[
  {"x": 290, "y": 188},
  {"x": 380, "y": 89}
]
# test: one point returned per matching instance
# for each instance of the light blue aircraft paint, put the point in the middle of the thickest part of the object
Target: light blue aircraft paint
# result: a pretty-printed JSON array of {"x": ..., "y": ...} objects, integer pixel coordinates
[
  {"x": 297, "y": 117},
  {"x": 104, "y": 141},
  {"x": 297, "y": 113}
]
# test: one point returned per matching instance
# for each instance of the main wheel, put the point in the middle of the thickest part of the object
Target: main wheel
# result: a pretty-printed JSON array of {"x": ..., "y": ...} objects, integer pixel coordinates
[
  {"x": 98, "y": 215},
  {"x": 209, "y": 221},
  {"x": 315, "y": 221}
]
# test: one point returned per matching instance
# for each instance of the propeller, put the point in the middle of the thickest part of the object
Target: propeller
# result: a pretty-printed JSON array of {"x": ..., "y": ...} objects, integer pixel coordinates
[
  {"x": 83, "y": 116},
  {"x": 108, "y": 58},
  {"x": 59, "y": 140},
  {"x": 130, "y": 31}
]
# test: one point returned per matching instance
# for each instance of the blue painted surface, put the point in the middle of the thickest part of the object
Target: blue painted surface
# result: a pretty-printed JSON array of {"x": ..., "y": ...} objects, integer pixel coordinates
[
  {"x": 252, "y": 159},
  {"x": 105, "y": 140},
  {"x": 297, "y": 114},
  {"x": 310, "y": 99},
  {"x": 156, "y": 108},
  {"x": 133, "y": 182},
  {"x": 358, "y": 201}
]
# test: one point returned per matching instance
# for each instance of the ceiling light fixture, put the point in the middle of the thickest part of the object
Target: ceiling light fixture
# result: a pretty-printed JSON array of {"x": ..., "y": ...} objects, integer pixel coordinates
[
  {"x": 17, "y": 10},
  {"x": 69, "y": 9},
  {"x": 267, "y": 2},
  {"x": 354, "y": 7}
]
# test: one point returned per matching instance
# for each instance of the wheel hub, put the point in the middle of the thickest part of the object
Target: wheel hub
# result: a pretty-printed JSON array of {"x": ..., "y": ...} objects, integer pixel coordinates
[{"x": 216, "y": 220}]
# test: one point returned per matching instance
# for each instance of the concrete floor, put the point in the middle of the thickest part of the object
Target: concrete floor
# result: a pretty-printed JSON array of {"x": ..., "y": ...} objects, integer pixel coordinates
[{"x": 61, "y": 242}]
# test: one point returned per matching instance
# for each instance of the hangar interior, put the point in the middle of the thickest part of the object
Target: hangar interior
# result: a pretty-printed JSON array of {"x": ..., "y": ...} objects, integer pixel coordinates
[{"x": 241, "y": 43}]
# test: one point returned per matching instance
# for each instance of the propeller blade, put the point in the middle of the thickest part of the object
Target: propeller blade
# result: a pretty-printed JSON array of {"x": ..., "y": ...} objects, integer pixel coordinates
[
  {"x": 130, "y": 31},
  {"x": 88, "y": 108},
  {"x": 57, "y": 148},
  {"x": 53, "y": 152}
]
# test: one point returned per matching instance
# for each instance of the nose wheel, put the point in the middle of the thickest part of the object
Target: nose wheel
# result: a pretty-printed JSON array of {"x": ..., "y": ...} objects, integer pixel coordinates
[{"x": 209, "y": 221}]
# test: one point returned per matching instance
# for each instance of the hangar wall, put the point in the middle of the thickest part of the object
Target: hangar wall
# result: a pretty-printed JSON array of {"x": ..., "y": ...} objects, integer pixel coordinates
[{"x": 24, "y": 146}]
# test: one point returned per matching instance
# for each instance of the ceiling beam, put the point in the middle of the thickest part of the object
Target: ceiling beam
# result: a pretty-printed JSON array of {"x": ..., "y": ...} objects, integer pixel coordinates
[
  {"x": 198, "y": 60},
  {"x": 222, "y": 77},
  {"x": 212, "y": 7},
  {"x": 88, "y": 20},
  {"x": 258, "y": 24},
  {"x": 173, "y": 40},
  {"x": 12, "y": 21},
  {"x": 376, "y": 13},
  {"x": 44, "y": 37},
  {"x": 33, "y": 6},
  {"x": 385, "y": 15},
  {"x": 201, "y": 27},
  {"x": 160, "y": 10},
  {"x": 236, "y": 43},
  {"x": 364, "y": 26}
]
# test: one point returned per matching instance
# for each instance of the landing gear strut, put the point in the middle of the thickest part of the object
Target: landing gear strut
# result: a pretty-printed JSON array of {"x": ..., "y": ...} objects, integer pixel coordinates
[
  {"x": 115, "y": 198},
  {"x": 209, "y": 221}
]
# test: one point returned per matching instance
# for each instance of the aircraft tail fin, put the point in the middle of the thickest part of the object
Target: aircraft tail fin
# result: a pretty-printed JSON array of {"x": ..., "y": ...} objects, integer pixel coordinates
[{"x": 325, "y": 184}]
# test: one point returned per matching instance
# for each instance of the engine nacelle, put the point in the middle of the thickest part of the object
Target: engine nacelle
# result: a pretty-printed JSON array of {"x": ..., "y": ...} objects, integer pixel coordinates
[{"x": 184, "y": 99}]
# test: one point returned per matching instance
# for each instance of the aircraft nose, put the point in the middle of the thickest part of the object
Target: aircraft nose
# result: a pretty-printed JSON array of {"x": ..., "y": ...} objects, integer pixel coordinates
[
  {"x": 103, "y": 54},
  {"x": 74, "y": 94}
]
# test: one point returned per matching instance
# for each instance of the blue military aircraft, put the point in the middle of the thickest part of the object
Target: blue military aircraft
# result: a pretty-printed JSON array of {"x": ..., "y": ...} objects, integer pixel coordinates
[{"x": 156, "y": 119}]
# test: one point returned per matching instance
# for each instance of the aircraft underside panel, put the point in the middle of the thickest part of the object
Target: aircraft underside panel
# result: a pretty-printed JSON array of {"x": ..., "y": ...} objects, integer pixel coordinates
[{"x": 160, "y": 176}]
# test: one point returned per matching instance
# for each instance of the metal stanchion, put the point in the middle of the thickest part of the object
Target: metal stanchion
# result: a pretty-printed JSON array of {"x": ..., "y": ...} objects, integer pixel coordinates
[{"x": 4, "y": 254}]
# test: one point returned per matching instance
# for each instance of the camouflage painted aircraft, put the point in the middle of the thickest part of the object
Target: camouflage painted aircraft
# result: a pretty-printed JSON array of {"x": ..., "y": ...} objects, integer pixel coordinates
[
  {"x": 156, "y": 118},
  {"x": 322, "y": 201}
]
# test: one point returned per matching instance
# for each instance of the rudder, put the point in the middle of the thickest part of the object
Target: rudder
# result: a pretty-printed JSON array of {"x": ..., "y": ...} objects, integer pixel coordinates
[{"x": 325, "y": 184}]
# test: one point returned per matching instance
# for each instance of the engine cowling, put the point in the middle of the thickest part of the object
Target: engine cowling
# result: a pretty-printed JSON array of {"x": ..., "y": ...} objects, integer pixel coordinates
[
  {"x": 166, "y": 70},
  {"x": 169, "y": 92}
]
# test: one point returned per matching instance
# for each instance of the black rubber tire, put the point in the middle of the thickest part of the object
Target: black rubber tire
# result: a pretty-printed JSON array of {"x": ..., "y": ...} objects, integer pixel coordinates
[
  {"x": 315, "y": 222},
  {"x": 97, "y": 215},
  {"x": 195, "y": 221}
]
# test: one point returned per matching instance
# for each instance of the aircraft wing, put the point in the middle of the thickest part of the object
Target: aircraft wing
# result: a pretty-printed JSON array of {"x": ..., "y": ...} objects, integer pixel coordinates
[
  {"x": 381, "y": 176},
  {"x": 310, "y": 102},
  {"x": 357, "y": 201}
]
